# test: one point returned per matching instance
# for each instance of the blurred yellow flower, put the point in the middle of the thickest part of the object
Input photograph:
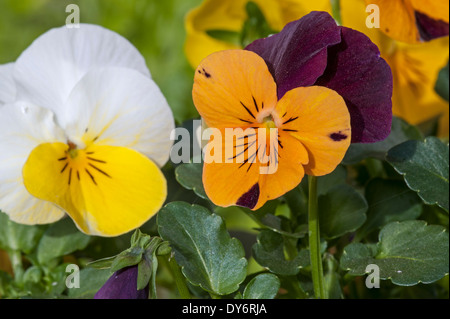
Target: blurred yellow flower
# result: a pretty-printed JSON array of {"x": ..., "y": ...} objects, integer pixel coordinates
[
  {"x": 415, "y": 67},
  {"x": 230, "y": 15}
]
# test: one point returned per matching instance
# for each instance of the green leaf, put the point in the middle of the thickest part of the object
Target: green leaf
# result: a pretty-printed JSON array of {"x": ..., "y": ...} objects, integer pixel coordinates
[
  {"x": 130, "y": 257},
  {"x": 61, "y": 238},
  {"x": 389, "y": 201},
  {"x": 91, "y": 280},
  {"x": 15, "y": 236},
  {"x": 408, "y": 252},
  {"x": 228, "y": 36},
  {"x": 209, "y": 257},
  {"x": 331, "y": 278},
  {"x": 401, "y": 132},
  {"x": 425, "y": 168},
  {"x": 256, "y": 26},
  {"x": 263, "y": 286},
  {"x": 327, "y": 182},
  {"x": 442, "y": 83},
  {"x": 341, "y": 210},
  {"x": 190, "y": 176},
  {"x": 269, "y": 253}
]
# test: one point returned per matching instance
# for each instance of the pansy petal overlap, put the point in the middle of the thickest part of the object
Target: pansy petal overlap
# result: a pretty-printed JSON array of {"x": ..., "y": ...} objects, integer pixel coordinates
[
  {"x": 413, "y": 21},
  {"x": 350, "y": 64},
  {"x": 263, "y": 164},
  {"x": 297, "y": 56}
]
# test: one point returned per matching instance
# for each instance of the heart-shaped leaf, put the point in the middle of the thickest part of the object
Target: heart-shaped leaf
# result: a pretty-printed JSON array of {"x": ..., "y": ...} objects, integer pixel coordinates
[
  {"x": 408, "y": 252},
  {"x": 401, "y": 132},
  {"x": 190, "y": 176},
  {"x": 209, "y": 257},
  {"x": 425, "y": 168},
  {"x": 269, "y": 253},
  {"x": 263, "y": 286},
  {"x": 341, "y": 210},
  {"x": 61, "y": 238}
]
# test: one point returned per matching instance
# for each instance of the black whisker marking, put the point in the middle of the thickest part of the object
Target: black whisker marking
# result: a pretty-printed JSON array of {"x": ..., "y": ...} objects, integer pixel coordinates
[
  {"x": 252, "y": 157},
  {"x": 256, "y": 104},
  {"x": 284, "y": 114},
  {"x": 289, "y": 130},
  {"x": 62, "y": 158},
  {"x": 89, "y": 153},
  {"x": 245, "y": 121},
  {"x": 98, "y": 169},
  {"x": 248, "y": 146},
  {"x": 262, "y": 105},
  {"x": 78, "y": 175},
  {"x": 279, "y": 143},
  {"x": 95, "y": 160},
  {"x": 291, "y": 120},
  {"x": 249, "y": 112},
  {"x": 90, "y": 175},
  {"x": 70, "y": 175},
  {"x": 64, "y": 168},
  {"x": 246, "y": 136}
]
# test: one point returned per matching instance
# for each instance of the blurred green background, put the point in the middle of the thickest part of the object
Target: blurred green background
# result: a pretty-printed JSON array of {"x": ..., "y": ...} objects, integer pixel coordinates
[{"x": 155, "y": 27}]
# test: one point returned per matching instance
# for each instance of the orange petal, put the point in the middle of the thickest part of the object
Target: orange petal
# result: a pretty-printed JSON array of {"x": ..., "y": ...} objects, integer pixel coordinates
[
  {"x": 233, "y": 88},
  {"x": 318, "y": 117},
  {"x": 397, "y": 20},
  {"x": 291, "y": 155},
  {"x": 435, "y": 9},
  {"x": 228, "y": 177}
]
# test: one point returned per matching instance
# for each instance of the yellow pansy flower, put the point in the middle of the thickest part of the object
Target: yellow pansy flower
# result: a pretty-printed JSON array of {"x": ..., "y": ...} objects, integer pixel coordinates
[{"x": 415, "y": 69}]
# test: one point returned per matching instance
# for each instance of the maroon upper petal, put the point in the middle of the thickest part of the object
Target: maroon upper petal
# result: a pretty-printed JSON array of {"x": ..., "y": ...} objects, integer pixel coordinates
[
  {"x": 429, "y": 28},
  {"x": 315, "y": 51},
  {"x": 358, "y": 73},
  {"x": 297, "y": 56},
  {"x": 122, "y": 285}
]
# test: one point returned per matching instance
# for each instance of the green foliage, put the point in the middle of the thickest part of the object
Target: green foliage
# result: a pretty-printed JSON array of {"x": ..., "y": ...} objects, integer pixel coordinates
[
  {"x": 386, "y": 204},
  {"x": 407, "y": 253},
  {"x": 425, "y": 167},
  {"x": 209, "y": 257}
]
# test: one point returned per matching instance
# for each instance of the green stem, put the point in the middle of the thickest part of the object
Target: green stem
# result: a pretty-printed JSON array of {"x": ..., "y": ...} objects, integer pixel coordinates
[
  {"x": 336, "y": 11},
  {"x": 16, "y": 261},
  {"x": 314, "y": 240},
  {"x": 179, "y": 278}
]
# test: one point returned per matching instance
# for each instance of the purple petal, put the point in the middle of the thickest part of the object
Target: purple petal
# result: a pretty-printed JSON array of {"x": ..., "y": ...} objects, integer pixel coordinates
[
  {"x": 250, "y": 199},
  {"x": 429, "y": 28},
  {"x": 297, "y": 56},
  {"x": 358, "y": 73},
  {"x": 122, "y": 285}
]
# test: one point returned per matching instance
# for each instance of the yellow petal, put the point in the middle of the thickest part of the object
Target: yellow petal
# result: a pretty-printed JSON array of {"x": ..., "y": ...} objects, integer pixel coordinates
[
  {"x": 415, "y": 69},
  {"x": 106, "y": 190}
]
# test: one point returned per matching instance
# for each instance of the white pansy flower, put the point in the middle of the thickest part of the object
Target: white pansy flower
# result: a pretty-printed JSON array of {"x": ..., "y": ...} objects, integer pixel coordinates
[{"x": 84, "y": 130}]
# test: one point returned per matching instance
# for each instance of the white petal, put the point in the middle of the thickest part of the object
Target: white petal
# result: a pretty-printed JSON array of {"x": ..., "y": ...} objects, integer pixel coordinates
[
  {"x": 23, "y": 126},
  {"x": 47, "y": 71},
  {"x": 7, "y": 85},
  {"x": 121, "y": 107}
]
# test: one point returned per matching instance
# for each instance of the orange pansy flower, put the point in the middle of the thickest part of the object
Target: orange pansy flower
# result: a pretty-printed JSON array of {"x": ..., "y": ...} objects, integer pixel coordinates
[{"x": 234, "y": 89}]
